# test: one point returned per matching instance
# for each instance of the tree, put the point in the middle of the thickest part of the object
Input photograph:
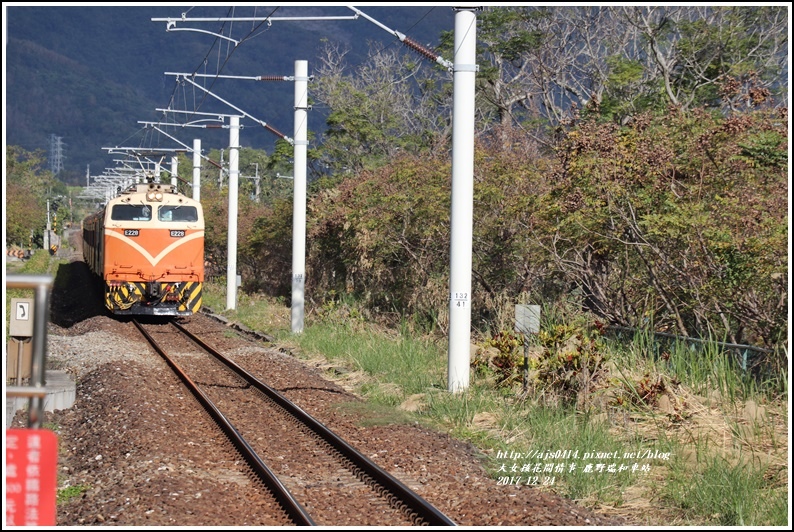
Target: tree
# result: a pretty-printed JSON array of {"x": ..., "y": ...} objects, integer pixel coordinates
[
  {"x": 389, "y": 105},
  {"x": 540, "y": 67},
  {"x": 678, "y": 221},
  {"x": 693, "y": 50},
  {"x": 28, "y": 185}
]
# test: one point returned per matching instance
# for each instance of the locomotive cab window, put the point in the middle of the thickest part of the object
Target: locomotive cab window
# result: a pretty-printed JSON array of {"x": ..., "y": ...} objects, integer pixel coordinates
[
  {"x": 177, "y": 213},
  {"x": 138, "y": 213}
]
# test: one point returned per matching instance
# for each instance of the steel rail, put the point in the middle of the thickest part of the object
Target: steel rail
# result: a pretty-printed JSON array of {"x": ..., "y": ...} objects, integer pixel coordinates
[
  {"x": 291, "y": 506},
  {"x": 420, "y": 510}
]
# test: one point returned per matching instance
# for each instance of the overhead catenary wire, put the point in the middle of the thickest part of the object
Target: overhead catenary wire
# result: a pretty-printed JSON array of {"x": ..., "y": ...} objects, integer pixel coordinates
[{"x": 220, "y": 66}]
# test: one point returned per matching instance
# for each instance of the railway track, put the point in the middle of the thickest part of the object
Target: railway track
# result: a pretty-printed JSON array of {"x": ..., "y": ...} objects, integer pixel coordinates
[{"x": 307, "y": 460}]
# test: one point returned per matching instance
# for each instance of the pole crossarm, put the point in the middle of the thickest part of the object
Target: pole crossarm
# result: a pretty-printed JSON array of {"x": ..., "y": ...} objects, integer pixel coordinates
[
  {"x": 194, "y": 123},
  {"x": 170, "y": 28},
  {"x": 139, "y": 152},
  {"x": 407, "y": 41},
  {"x": 218, "y": 116},
  {"x": 186, "y": 77},
  {"x": 171, "y": 22},
  {"x": 169, "y": 136},
  {"x": 248, "y": 78}
]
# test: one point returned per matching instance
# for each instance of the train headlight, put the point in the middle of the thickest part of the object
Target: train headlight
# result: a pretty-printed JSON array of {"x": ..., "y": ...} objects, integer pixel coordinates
[{"x": 154, "y": 195}]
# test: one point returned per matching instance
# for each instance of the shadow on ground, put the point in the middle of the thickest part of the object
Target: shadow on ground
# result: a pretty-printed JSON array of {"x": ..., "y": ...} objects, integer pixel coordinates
[{"x": 76, "y": 295}]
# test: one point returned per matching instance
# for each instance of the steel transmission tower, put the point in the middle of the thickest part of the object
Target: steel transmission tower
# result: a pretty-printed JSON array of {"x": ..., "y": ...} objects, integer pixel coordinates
[{"x": 56, "y": 154}]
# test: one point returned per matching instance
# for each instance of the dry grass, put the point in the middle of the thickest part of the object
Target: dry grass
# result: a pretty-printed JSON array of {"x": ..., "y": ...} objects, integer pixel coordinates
[{"x": 742, "y": 432}]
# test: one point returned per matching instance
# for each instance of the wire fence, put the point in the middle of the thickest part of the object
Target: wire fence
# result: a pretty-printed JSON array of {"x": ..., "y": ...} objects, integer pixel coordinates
[{"x": 760, "y": 362}]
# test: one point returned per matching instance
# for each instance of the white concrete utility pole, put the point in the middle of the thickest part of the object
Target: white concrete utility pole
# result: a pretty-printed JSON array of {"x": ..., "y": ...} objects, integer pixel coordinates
[
  {"x": 49, "y": 227},
  {"x": 174, "y": 167},
  {"x": 234, "y": 171},
  {"x": 299, "y": 195},
  {"x": 197, "y": 169},
  {"x": 465, "y": 71}
]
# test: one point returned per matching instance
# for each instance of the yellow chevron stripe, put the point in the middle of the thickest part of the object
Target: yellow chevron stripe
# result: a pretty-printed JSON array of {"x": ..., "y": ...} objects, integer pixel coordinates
[
  {"x": 192, "y": 292},
  {"x": 154, "y": 260}
]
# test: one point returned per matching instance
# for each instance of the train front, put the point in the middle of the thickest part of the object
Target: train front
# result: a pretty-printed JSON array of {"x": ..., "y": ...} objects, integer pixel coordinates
[{"x": 154, "y": 252}]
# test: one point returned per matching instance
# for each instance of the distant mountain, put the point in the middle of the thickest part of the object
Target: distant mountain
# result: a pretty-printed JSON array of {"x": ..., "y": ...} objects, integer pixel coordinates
[{"x": 89, "y": 74}]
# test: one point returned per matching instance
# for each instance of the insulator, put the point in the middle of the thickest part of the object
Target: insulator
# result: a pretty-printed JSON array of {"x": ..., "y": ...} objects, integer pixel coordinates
[
  {"x": 415, "y": 46},
  {"x": 276, "y": 131}
]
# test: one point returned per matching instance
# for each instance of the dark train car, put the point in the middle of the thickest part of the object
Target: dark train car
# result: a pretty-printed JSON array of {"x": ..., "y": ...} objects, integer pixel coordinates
[{"x": 147, "y": 247}]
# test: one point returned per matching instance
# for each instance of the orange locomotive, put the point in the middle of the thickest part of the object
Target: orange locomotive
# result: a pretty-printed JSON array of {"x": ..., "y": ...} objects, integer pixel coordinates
[{"x": 147, "y": 246}]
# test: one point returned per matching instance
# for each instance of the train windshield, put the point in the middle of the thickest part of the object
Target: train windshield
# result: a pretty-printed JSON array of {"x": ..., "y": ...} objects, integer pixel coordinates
[
  {"x": 177, "y": 213},
  {"x": 125, "y": 212}
]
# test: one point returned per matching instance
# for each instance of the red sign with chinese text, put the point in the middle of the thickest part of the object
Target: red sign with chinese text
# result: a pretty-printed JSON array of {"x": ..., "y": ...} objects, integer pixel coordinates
[{"x": 31, "y": 477}]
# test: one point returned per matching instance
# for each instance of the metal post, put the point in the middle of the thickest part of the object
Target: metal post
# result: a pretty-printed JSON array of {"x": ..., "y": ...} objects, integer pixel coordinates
[
  {"x": 257, "y": 185},
  {"x": 231, "y": 268},
  {"x": 220, "y": 173},
  {"x": 299, "y": 196},
  {"x": 525, "y": 377},
  {"x": 20, "y": 349},
  {"x": 41, "y": 284},
  {"x": 465, "y": 69}
]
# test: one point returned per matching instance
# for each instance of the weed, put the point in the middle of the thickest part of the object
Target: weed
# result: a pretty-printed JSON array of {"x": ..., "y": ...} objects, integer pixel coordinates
[{"x": 68, "y": 493}]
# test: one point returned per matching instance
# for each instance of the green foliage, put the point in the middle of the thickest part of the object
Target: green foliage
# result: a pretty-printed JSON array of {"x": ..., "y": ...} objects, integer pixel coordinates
[
  {"x": 504, "y": 33},
  {"x": 391, "y": 106},
  {"x": 697, "y": 49},
  {"x": 550, "y": 428},
  {"x": 671, "y": 217},
  {"x": 766, "y": 149},
  {"x": 571, "y": 360},
  {"x": 68, "y": 493},
  {"x": 507, "y": 363},
  {"x": 624, "y": 94},
  {"x": 27, "y": 187},
  {"x": 380, "y": 236},
  {"x": 630, "y": 205},
  {"x": 268, "y": 250},
  {"x": 413, "y": 365}
]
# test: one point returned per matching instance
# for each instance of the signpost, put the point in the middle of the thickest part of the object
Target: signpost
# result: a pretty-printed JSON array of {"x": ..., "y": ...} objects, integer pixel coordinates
[
  {"x": 31, "y": 454},
  {"x": 20, "y": 332},
  {"x": 527, "y": 322}
]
